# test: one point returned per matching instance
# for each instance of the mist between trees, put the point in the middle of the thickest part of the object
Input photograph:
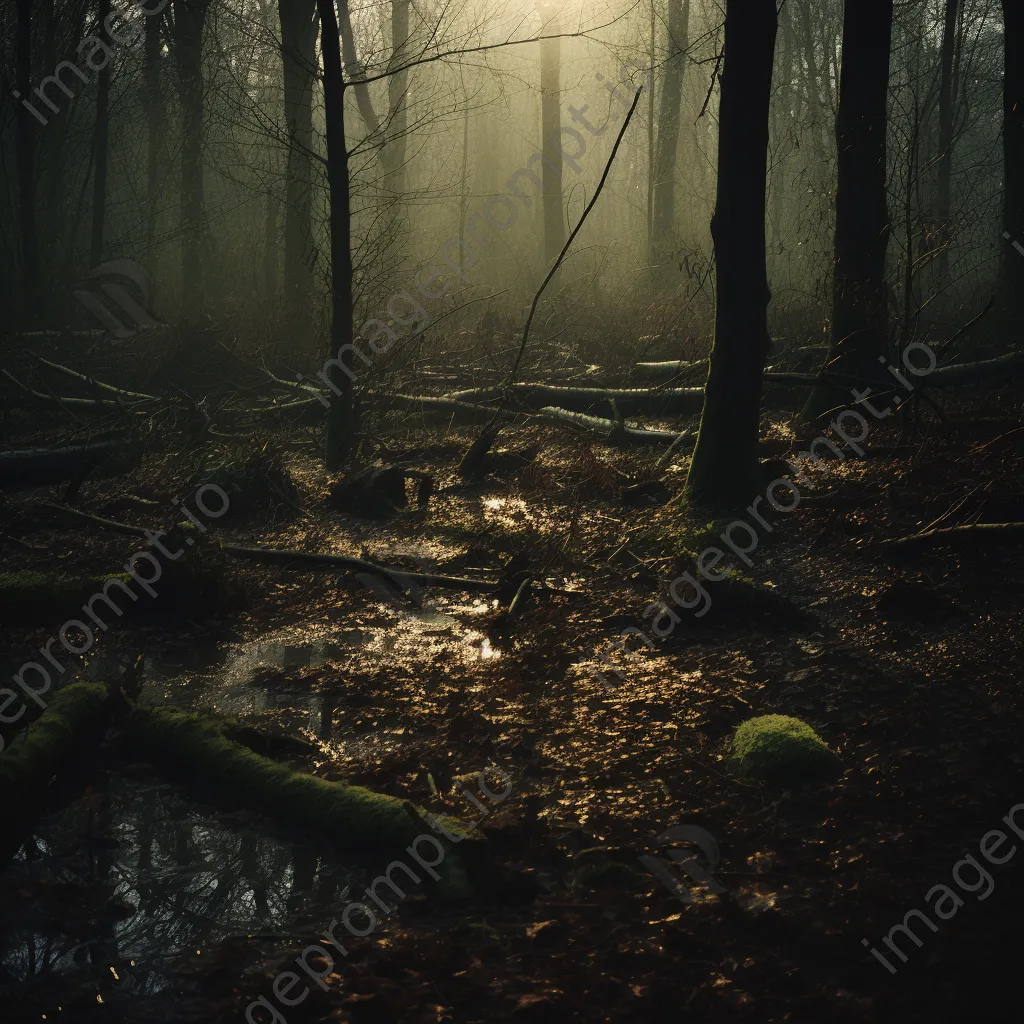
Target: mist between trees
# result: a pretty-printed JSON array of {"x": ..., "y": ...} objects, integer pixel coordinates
[{"x": 218, "y": 123}]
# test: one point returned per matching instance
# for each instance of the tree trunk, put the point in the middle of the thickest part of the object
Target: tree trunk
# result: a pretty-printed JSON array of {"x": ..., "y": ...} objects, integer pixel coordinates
[
  {"x": 156, "y": 119},
  {"x": 398, "y": 113},
  {"x": 299, "y": 21},
  {"x": 668, "y": 130},
  {"x": 1012, "y": 269},
  {"x": 944, "y": 167},
  {"x": 340, "y": 420},
  {"x": 723, "y": 472},
  {"x": 189, "y": 19},
  {"x": 551, "y": 176},
  {"x": 25, "y": 159},
  {"x": 860, "y": 312},
  {"x": 101, "y": 148}
]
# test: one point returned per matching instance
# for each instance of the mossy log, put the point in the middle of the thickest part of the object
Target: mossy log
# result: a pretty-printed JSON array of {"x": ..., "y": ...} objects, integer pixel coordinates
[
  {"x": 74, "y": 721},
  {"x": 355, "y": 819},
  {"x": 34, "y": 467},
  {"x": 35, "y": 597}
]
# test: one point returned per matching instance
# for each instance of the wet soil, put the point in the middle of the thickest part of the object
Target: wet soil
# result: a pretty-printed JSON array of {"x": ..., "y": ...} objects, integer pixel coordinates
[{"x": 130, "y": 902}]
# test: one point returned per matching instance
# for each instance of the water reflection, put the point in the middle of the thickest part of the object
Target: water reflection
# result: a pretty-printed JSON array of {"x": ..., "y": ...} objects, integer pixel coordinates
[{"x": 113, "y": 892}]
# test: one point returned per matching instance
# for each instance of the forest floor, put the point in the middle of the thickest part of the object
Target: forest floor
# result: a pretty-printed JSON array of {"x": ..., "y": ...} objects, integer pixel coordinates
[{"x": 908, "y": 669}]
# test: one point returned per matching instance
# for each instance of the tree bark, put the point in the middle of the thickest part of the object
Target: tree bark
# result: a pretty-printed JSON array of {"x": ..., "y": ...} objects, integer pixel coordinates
[
  {"x": 1012, "y": 268},
  {"x": 340, "y": 419},
  {"x": 723, "y": 472},
  {"x": 189, "y": 20},
  {"x": 25, "y": 159},
  {"x": 860, "y": 312},
  {"x": 944, "y": 167},
  {"x": 668, "y": 131},
  {"x": 299, "y": 22},
  {"x": 551, "y": 175},
  {"x": 156, "y": 118},
  {"x": 101, "y": 147}
]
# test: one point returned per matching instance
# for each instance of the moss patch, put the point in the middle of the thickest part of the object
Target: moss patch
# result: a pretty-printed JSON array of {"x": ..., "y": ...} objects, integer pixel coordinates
[
  {"x": 353, "y": 818},
  {"x": 780, "y": 750}
]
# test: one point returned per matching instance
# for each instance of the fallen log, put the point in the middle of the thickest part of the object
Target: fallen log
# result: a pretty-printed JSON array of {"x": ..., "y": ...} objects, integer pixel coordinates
[
  {"x": 626, "y": 400},
  {"x": 74, "y": 721},
  {"x": 36, "y": 466},
  {"x": 973, "y": 535},
  {"x": 670, "y": 367},
  {"x": 967, "y": 373},
  {"x": 614, "y": 432},
  {"x": 197, "y": 754}
]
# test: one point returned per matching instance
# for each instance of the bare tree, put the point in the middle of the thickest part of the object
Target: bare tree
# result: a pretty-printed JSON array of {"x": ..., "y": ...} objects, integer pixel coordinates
[
  {"x": 723, "y": 471},
  {"x": 860, "y": 312}
]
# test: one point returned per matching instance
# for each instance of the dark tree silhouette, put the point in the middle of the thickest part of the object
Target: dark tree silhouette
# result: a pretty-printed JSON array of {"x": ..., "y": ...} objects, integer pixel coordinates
[
  {"x": 299, "y": 23},
  {"x": 1012, "y": 269},
  {"x": 860, "y": 314},
  {"x": 723, "y": 472},
  {"x": 340, "y": 425}
]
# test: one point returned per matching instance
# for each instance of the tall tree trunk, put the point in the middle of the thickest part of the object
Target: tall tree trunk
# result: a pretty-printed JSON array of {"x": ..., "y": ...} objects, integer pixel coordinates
[
  {"x": 723, "y": 472},
  {"x": 1012, "y": 270},
  {"x": 101, "y": 145},
  {"x": 551, "y": 122},
  {"x": 781, "y": 127},
  {"x": 25, "y": 159},
  {"x": 944, "y": 168},
  {"x": 340, "y": 420},
  {"x": 189, "y": 20},
  {"x": 156, "y": 118},
  {"x": 668, "y": 128},
  {"x": 398, "y": 111},
  {"x": 299, "y": 22},
  {"x": 860, "y": 312}
]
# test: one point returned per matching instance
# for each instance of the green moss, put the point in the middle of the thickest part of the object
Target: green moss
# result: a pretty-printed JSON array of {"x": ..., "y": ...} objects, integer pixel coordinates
[
  {"x": 353, "y": 818},
  {"x": 780, "y": 750},
  {"x": 43, "y": 596},
  {"x": 75, "y": 717}
]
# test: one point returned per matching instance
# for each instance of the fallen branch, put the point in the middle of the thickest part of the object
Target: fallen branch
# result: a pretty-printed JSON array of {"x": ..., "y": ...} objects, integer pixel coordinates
[
  {"x": 360, "y": 565},
  {"x": 92, "y": 382},
  {"x": 627, "y": 400},
  {"x": 71, "y": 404},
  {"x": 974, "y": 535}
]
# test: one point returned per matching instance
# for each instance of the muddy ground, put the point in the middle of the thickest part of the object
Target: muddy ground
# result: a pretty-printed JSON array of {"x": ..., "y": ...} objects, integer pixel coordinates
[{"x": 131, "y": 902}]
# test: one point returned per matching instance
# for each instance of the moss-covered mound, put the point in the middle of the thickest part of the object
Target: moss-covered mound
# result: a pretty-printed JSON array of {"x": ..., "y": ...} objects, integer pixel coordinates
[
  {"x": 255, "y": 479},
  {"x": 197, "y": 753},
  {"x": 780, "y": 750}
]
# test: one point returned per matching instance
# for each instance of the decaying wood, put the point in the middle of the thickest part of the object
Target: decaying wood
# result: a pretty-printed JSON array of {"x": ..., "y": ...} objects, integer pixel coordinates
[{"x": 33, "y": 467}]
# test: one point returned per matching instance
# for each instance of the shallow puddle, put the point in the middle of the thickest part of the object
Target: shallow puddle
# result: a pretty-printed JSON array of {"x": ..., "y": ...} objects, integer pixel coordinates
[{"x": 119, "y": 892}]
